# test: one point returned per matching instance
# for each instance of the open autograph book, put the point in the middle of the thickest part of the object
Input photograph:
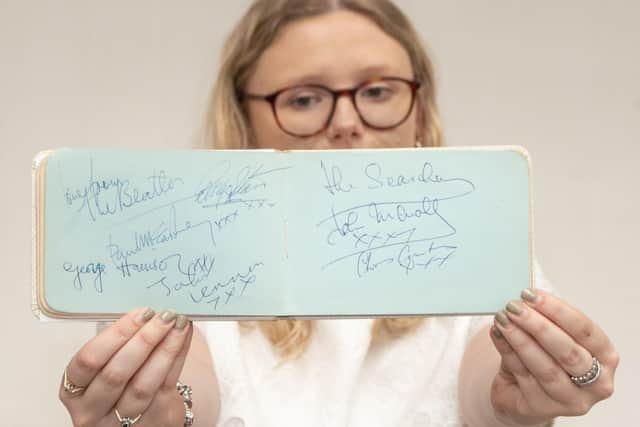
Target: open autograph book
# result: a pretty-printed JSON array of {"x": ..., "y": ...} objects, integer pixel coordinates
[{"x": 272, "y": 234}]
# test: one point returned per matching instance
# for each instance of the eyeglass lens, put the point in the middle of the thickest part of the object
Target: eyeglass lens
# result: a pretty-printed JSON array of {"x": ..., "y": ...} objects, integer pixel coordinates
[{"x": 305, "y": 110}]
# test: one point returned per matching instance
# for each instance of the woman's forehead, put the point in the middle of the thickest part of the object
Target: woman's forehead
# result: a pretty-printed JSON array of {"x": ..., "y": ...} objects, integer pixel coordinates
[{"x": 336, "y": 49}]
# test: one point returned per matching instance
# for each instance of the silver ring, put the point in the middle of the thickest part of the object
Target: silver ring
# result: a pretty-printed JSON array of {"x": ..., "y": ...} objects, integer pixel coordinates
[
  {"x": 186, "y": 393},
  {"x": 70, "y": 387},
  {"x": 590, "y": 377},
  {"x": 127, "y": 421}
]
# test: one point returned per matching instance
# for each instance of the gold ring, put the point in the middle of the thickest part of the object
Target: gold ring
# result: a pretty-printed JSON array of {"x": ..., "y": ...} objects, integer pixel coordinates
[
  {"x": 70, "y": 387},
  {"x": 126, "y": 421}
]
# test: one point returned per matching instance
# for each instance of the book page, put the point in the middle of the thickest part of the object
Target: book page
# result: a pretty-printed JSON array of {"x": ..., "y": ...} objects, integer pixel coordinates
[
  {"x": 194, "y": 231},
  {"x": 401, "y": 232}
]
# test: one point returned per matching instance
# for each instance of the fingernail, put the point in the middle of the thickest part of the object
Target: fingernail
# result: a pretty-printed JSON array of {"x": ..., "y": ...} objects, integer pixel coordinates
[
  {"x": 181, "y": 322},
  {"x": 148, "y": 314},
  {"x": 529, "y": 295},
  {"x": 496, "y": 333},
  {"x": 502, "y": 318},
  {"x": 515, "y": 307},
  {"x": 168, "y": 315}
]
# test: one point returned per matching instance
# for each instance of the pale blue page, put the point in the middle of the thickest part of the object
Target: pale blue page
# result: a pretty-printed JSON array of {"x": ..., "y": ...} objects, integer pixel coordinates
[
  {"x": 428, "y": 231},
  {"x": 195, "y": 231}
]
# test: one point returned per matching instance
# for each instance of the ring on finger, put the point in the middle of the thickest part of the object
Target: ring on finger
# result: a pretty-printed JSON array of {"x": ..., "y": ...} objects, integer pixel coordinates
[
  {"x": 127, "y": 421},
  {"x": 69, "y": 386},
  {"x": 590, "y": 377}
]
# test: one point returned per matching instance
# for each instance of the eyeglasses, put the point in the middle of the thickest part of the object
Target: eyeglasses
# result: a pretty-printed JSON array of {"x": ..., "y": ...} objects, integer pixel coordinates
[{"x": 382, "y": 103}]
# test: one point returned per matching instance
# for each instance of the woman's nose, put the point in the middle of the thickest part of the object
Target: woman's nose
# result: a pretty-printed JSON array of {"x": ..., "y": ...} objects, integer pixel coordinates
[{"x": 345, "y": 128}]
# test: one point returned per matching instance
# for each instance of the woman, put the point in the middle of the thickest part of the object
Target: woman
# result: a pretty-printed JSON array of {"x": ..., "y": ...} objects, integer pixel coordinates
[{"x": 303, "y": 74}]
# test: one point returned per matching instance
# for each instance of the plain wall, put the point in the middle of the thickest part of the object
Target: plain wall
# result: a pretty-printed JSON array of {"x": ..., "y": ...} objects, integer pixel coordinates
[{"x": 561, "y": 78}]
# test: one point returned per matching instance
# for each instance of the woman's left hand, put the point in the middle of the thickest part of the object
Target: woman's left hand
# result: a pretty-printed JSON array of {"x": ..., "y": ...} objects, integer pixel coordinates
[{"x": 542, "y": 342}]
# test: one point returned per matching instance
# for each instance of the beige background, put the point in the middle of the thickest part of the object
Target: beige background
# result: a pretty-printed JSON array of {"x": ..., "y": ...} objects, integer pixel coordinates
[{"x": 561, "y": 78}]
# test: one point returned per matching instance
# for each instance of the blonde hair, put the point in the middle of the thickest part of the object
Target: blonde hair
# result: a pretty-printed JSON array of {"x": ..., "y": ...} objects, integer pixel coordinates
[{"x": 228, "y": 126}]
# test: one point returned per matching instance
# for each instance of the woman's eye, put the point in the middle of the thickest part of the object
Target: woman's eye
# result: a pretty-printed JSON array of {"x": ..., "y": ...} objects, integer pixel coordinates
[
  {"x": 376, "y": 92},
  {"x": 303, "y": 101}
]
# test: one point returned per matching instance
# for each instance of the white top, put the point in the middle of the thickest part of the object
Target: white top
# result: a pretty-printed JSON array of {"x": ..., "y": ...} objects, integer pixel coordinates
[{"x": 339, "y": 381}]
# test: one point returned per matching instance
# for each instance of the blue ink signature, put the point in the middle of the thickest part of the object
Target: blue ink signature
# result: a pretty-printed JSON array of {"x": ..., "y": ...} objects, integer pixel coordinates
[
  {"x": 164, "y": 232},
  {"x": 95, "y": 268},
  {"x": 349, "y": 227},
  {"x": 209, "y": 294},
  {"x": 226, "y": 189},
  {"x": 427, "y": 175},
  {"x": 113, "y": 195},
  {"x": 334, "y": 180},
  {"x": 191, "y": 271},
  {"x": 406, "y": 258},
  {"x": 223, "y": 191},
  {"x": 351, "y": 224}
]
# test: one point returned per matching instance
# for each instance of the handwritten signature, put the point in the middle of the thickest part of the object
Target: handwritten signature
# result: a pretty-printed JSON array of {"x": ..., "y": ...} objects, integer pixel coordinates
[
  {"x": 369, "y": 231},
  {"x": 165, "y": 232},
  {"x": 227, "y": 189},
  {"x": 406, "y": 258},
  {"x": 191, "y": 271},
  {"x": 97, "y": 269},
  {"x": 209, "y": 294},
  {"x": 112, "y": 195}
]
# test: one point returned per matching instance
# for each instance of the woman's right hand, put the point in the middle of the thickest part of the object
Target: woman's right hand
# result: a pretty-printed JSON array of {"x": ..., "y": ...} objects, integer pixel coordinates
[{"x": 132, "y": 366}]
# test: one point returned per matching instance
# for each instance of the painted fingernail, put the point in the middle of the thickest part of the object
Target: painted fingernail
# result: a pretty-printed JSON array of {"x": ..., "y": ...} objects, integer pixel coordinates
[
  {"x": 148, "y": 314},
  {"x": 168, "y": 315},
  {"x": 502, "y": 318},
  {"x": 529, "y": 295},
  {"x": 515, "y": 307},
  {"x": 181, "y": 322},
  {"x": 496, "y": 333}
]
